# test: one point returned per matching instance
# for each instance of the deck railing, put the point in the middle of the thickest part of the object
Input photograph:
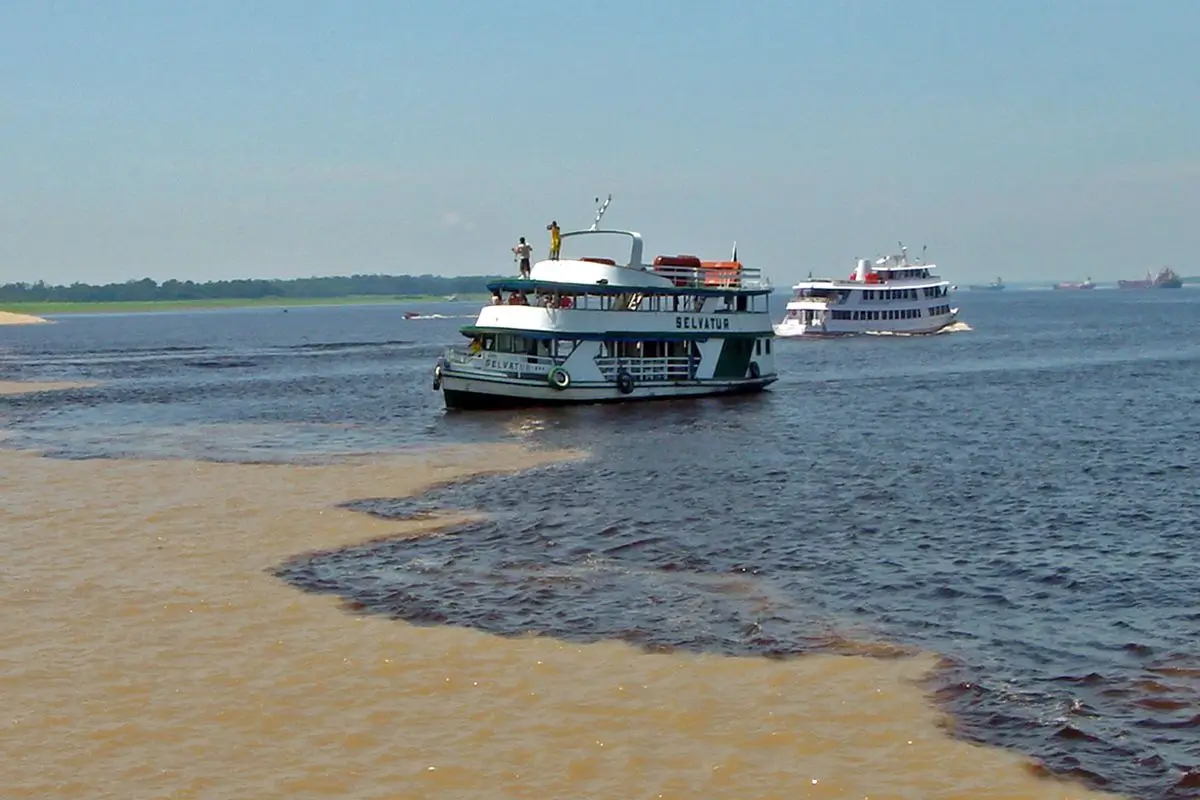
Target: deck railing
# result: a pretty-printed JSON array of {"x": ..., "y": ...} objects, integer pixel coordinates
[
  {"x": 646, "y": 369},
  {"x": 714, "y": 277}
]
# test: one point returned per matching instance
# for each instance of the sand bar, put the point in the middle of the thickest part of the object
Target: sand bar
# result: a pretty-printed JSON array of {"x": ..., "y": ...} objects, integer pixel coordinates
[
  {"x": 10, "y": 388},
  {"x": 150, "y": 654},
  {"x": 10, "y": 318}
]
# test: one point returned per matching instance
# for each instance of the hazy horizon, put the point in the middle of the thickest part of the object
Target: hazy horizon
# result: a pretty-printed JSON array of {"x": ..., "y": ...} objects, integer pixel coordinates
[{"x": 283, "y": 140}]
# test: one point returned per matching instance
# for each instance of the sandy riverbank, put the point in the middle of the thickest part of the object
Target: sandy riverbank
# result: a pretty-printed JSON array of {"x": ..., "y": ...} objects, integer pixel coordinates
[
  {"x": 9, "y": 318},
  {"x": 149, "y": 653},
  {"x": 8, "y": 388}
]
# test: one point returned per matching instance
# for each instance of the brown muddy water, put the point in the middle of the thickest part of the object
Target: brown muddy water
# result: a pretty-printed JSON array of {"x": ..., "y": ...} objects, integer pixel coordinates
[
  {"x": 149, "y": 653},
  {"x": 223, "y": 574}
]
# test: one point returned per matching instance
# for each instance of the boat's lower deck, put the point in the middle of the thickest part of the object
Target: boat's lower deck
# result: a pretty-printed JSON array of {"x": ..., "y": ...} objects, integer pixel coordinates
[
  {"x": 820, "y": 322},
  {"x": 472, "y": 393},
  {"x": 588, "y": 371}
]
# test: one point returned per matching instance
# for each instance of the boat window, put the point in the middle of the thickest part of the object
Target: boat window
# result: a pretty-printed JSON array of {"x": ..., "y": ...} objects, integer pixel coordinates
[
  {"x": 758, "y": 347},
  {"x": 768, "y": 347}
]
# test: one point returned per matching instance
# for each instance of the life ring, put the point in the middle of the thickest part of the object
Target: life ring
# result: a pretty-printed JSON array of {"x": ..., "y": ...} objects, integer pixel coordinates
[
  {"x": 624, "y": 382},
  {"x": 559, "y": 378},
  {"x": 754, "y": 370},
  {"x": 437, "y": 377}
]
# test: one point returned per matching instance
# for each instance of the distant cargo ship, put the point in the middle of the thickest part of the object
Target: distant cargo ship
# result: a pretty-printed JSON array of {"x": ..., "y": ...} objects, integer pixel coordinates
[
  {"x": 1087, "y": 284},
  {"x": 994, "y": 286},
  {"x": 1165, "y": 279}
]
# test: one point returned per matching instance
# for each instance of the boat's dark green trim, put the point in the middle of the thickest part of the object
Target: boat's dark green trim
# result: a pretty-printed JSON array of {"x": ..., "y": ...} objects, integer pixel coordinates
[
  {"x": 734, "y": 359},
  {"x": 478, "y": 401}
]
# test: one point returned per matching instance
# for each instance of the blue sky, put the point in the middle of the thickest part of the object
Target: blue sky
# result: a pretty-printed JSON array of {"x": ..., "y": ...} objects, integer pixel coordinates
[{"x": 206, "y": 140}]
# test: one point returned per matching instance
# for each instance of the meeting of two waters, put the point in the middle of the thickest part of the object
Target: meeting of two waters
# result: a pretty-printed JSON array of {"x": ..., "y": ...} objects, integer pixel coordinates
[{"x": 1020, "y": 499}]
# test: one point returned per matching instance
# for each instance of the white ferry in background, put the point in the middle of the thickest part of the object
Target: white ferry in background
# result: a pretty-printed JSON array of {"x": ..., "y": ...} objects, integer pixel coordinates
[
  {"x": 890, "y": 296},
  {"x": 587, "y": 329}
]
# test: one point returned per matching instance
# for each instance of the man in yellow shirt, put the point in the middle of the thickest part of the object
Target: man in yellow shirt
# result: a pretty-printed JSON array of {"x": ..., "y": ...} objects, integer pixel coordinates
[{"x": 555, "y": 240}]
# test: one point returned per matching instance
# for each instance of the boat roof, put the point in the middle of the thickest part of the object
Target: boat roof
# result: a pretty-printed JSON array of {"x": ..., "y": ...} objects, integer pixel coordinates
[
  {"x": 609, "y": 336},
  {"x": 586, "y": 275},
  {"x": 832, "y": 283},
  {"x": 572, "y": 287}
]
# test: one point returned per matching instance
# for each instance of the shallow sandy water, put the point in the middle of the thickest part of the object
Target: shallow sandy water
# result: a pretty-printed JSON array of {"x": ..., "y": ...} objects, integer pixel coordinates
[
  {"x": 9, "y": 388},
  {"x": 13, "y": 318},
  {"x": 146, "y": 652}
]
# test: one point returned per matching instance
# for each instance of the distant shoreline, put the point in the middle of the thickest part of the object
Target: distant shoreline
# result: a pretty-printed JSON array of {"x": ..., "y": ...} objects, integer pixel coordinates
[{"x": 123, "y": 306}]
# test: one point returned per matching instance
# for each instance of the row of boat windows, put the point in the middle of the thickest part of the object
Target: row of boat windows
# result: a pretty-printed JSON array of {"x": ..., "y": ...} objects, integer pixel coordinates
[
  {"x": 525, "y": 345},
  {"x": 660, "y": 349},
  {"x": 649, "y": 350},
  {"x": 936, "y": 310},
  {"x": 904, "y": 274},
  {"x": 904, "y": 294},
  {"x": 860, "y": 316},
  {"x": 631, "y": 301}
]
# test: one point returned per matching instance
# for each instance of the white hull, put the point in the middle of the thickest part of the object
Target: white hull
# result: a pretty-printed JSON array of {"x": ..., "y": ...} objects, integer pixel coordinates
[{"x": 792, "y": 328}]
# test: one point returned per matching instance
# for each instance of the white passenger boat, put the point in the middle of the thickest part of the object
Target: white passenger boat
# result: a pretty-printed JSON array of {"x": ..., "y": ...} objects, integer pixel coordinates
[
  {"x": 890, "y": 296},
  {"x": 588, "y": 329}
]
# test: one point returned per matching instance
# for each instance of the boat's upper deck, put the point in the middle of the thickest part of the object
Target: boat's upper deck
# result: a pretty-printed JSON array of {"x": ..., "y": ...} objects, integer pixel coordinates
[
  {"x": 665, "y": 275},
  {"x": 891, "y": 272}
]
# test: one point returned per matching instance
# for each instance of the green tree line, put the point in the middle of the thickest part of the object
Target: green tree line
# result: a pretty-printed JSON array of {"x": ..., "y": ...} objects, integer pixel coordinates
[{"x": 147, "y": 289}]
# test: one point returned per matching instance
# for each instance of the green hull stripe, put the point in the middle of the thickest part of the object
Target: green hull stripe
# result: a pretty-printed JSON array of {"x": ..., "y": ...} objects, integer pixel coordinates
[{"x": 734, "y": 359}]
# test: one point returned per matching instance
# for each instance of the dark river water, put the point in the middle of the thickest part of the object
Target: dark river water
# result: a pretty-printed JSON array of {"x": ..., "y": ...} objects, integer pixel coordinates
[{"x": 1022, "y": 498}]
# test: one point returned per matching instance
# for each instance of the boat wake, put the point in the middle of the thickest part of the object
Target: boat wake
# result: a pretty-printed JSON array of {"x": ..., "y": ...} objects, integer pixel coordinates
[{"x": 955, "y": 327}]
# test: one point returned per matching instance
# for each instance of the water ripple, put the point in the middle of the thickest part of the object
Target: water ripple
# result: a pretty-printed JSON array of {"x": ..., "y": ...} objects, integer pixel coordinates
[{"x": 1021, "y": 498}]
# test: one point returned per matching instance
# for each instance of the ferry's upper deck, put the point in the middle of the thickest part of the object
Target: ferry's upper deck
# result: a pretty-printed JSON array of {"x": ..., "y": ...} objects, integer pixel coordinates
[
  {"x": 666, "y": 275},
  {"x": 889, "y": 273}
]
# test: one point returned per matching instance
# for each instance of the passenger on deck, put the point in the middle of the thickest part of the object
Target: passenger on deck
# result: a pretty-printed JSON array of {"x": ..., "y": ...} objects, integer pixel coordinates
[
  {"x": 497, "y": 300},
  {"x": 522, "y": 251},
  {"x": 555, "y": 240}
]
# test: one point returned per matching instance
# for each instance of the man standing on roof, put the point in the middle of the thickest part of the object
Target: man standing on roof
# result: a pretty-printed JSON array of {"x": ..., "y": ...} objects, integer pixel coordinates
[
  {"x": 555, "y": 240},
  {"x": 522, "y": 251}
]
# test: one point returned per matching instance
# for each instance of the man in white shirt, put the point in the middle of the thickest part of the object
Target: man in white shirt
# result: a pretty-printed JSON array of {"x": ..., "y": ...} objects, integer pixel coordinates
[{"x": 522, "y": 251}]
